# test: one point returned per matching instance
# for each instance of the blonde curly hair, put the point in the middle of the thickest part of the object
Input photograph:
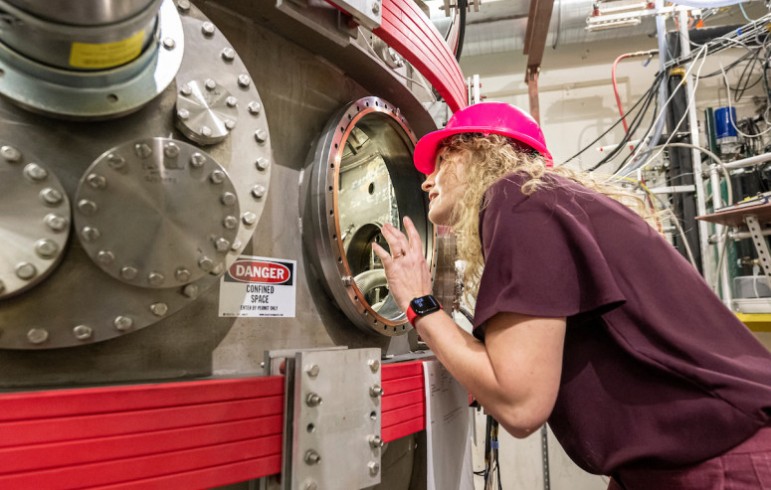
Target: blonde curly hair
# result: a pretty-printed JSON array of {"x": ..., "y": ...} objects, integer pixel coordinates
[{"x": 487, "y": 159}]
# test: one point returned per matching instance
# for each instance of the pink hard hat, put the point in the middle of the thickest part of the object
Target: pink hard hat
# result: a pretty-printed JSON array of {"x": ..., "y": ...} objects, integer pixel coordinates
[{"x": 486, "y": 118}]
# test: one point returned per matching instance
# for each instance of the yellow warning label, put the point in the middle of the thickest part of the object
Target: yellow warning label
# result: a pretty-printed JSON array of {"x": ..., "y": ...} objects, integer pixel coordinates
[{"x": 106, "y": 55}]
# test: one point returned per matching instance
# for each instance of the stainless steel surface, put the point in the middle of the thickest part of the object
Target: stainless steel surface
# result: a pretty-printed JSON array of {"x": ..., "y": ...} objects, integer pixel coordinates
[
  {"x": 206, "y": 112},
  {"x": 169, "y": 192},
  {"x": 90, "y": 45},
  {"x": 361, "y": 176},
  {"x": 331, "y": 444},
  {"x": 367, "y": 12},
  {"x": 34, "y": 220},
  {"x": 97, "y": 94},
  {"x": 84, "y": 12},
  {"x": 79, "y": 293}
]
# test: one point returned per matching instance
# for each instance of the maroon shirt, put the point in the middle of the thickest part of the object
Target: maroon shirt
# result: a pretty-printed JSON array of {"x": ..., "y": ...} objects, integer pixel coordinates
[{"x": 656, "y": 372}]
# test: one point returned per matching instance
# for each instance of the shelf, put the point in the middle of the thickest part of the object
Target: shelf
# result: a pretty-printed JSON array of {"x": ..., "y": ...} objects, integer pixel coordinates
[
  {"x": 757, "y": 322},
  {"x": 734, "y": 216}
]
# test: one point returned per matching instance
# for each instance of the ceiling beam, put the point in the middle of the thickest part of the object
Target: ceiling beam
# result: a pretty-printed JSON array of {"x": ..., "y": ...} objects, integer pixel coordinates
[{"x": 538, "y": 20}]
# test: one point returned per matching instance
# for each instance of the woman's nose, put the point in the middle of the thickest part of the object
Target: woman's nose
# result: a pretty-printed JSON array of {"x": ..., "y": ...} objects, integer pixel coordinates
[{"x": 428, "y": 183}]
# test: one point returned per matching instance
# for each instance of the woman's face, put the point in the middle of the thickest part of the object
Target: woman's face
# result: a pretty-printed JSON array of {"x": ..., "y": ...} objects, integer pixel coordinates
[{"x": 445, "y": 187}]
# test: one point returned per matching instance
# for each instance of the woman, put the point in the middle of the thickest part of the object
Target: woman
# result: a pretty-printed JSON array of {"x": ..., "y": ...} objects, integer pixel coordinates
[{"x": 585, "y": 316}]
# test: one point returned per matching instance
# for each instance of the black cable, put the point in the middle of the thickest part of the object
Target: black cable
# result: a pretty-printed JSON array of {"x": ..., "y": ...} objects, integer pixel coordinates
[
  {"x": 647, "y": 130},
  {"x": 462, "y": 5},
  {"x": 653, "y": 87}
]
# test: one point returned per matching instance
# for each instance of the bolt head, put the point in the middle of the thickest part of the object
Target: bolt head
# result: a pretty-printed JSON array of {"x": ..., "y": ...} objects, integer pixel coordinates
[
  {"x": 56, "y": 222},
  {"x": 46, "y": 248},
  {"x": 374, "y": 468},
  {"x": 210, "y": 84},
  {"x": 10, "y": 154},
  {"x": 208, "y": 29},
  {"x": 375, "y": 8},
  {"x": 230, "y": 222},
  {"x": 169, "y": 43},
  {"x": 249, "y": 218},
  {"x": 123, "y": 323},
  {"x": 182, "y": 274},
  {"x": 51, "y": 196},
  {"x": 155, "y": 278},
  {"x": 217, "y": 177},
  {"x": 183, "y": 5},
  {"x": 312, "y": 457},
  {"x": 231, "y": 101},
  {"x": 313, "y": 370},
  {"x": 170, "y": 150},
  {"x": 197, "y": 160},
  {"x": 244, "y": 81},
  {"x": 313, "y": 400},
  {"x": 83, "y": 332},
  {"x": 86, "y": 207},
  {"x": 25, "y": 271},
  {"x": 228, "y": 199},
  {"x": 258, "y": 191},
  {"x": 143, "y": 150},
  {"x": 190, "y": 291},
  {"x": 222, "y": 245},
  {"x": 37, "y": 335},
  {"x": 186, "y": 90},
  {"x": 206, "y": 264},
  {"x": 35, "y": 172},
  {"x": 228, "y": 54},
  {"x": 260, "y": 136},
  {"x": 117, "y": 162},
  {"x": 159, "y": 309},
  {"x": 96, "y": 181},
  {"x": 90, "y": 233},
  {"x": 105, "y": 257},
  {"x": 262, "y": 164},
  {"x": 230, "y": 124},
  {"x": 254, "y": 108},
  {"x": 374, "y": 365},
  {"x": 129, "y": 273}
]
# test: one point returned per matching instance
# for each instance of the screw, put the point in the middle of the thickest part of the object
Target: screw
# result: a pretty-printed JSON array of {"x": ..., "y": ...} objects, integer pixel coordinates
[
  {"x": 123, "y": 323},
  {"x": 228, "y": 54},
  {"x": 25, "y": 271},
  {"x": 313, "y": 370},
  {"x": 230, "y": 124},
  {"x": 90, "y": 233},
  {"x": 87, "y": 207},
  {"x": 197, "y": 160},
  {"x": 155, "y": 278},
  {"x": 116, "y": 161},
  {"x": 159, "y": 309},
  {"x": 210, "y": 84},
  {"x": 236, "y": 245},
  {"x": 186, "y": 90},
  {"x": 96, "y": 181},
  {"x": 375, "y": 391},
  {"x": 169, "y": 43},
  {"x": 249, "y": 218},
  {"x": 262, "y": 163},
  {"x": 208, "y": 29},
  {"x": 105, "y": 257},
  {"x": 190, "y": 291},
  {"x": 171, "y": 150},
  {"x": 182, "y": 274},
  {"x": 312, "y": 457},
  {"x": 217, "y": 177},
  {"x": 374, "y": 365},
  {"x": 206, "y": 264},
  {"x": 56, "y": 222},
  {"x": 347, "y": 280},
  {"x": 228, "y": 199},
  {"x": 129, "y": 273},
  {"x": 37, "y": 335},
  {"x": 374, "y": 468},
  {"x": 222, "y": 245},
  {"x": 143, "y": 150},
  {"x": 183, "y": 5},
  {"x": 35, "y": 172},
  {"x": 183, "y": 114},
  {"x": 376, "y": 442},
  {"x": 46, "y": 248},
  {"x": 244, "y": 80},
  {"x": 258, "y": 191},
  {"x": 51, "y": 196},
  {"x": 310, "y": 485},
  {"x": 10, "y": 153},
  {"x": 254, "y": 108},
  {"x": 313, "y": 400},
  {"x": 230, "y": 222},
  {"x": 206, "y": 131},
  {"x": 231, "y": 101},
  {"x": 83, "y": 332},
  {"x": 260, "y": 136},
  {"x": 375, "y": 8}
]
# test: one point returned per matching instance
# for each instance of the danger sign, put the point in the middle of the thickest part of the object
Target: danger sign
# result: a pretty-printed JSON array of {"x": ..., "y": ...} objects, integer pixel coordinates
[{"x": 258, "y": 287}]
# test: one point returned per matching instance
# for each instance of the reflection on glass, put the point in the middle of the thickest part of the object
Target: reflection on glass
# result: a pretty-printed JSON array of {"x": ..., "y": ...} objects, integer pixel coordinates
[{"x": 366, "y": 201}]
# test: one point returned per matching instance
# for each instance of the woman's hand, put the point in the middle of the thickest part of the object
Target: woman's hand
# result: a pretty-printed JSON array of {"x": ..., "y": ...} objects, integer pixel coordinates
[{"x": 406, "y": 269}]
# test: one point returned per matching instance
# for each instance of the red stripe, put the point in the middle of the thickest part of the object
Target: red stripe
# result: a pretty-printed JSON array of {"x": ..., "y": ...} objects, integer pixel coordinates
[
  {"x": 396, "y": 386},
  {"x": 403, "y": 429},
  {"x": 399, "y": 400},
  {"x": 401, "y": 370},
  {"x": 403, "y": 414}
]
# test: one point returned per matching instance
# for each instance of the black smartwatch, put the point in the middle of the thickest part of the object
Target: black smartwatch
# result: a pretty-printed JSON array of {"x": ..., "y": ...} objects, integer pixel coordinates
[{"x": 422, "y": 306}]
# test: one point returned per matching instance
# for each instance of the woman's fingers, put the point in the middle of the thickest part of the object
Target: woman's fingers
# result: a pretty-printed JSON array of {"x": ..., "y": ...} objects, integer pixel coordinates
[
  {"x": 415, "y": 243},
  {"x": 385, "y": 258}
]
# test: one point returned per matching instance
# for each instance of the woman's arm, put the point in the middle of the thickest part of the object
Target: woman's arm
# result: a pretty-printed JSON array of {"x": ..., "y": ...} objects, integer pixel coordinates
[{"x": 515, "y": 374}]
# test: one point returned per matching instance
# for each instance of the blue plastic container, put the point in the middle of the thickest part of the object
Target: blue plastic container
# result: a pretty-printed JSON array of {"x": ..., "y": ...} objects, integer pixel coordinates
[{"x": 725, "y": 122}]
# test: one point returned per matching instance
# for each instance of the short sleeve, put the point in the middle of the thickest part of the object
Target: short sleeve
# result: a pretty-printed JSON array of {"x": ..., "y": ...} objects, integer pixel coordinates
[{"x": 542, "y": 257}]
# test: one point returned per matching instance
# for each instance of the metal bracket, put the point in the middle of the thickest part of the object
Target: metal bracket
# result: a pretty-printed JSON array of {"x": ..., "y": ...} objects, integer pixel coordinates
[
  {"x": 332, "y": 428},
  {"x": 761, "y": 246}
]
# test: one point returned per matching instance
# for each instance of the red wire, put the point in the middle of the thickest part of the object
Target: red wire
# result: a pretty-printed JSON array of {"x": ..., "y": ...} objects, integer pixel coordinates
[{"x": 615, "y": 90}]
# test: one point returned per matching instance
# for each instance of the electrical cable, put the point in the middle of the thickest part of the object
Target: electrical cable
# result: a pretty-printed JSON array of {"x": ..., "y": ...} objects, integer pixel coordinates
[
  {"x": 462, "y": 4},
  {"x": 615, "y": 86}
]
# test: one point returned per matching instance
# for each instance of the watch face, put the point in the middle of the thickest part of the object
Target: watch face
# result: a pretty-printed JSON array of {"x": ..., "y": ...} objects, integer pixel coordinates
[{"x": 424, "y": 304}]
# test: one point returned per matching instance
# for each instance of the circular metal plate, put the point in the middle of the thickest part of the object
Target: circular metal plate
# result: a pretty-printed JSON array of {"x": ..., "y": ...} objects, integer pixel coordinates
[
  {"x": 206, "y": 111},
  {"x": 34, "y": 221},
  {"x": 156, "y": 213}
]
